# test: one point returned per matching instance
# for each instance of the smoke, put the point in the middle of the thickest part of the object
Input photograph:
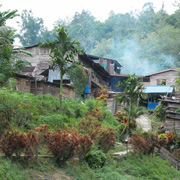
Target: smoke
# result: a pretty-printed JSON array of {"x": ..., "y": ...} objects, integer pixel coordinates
[{"x": 134, "y": 60}]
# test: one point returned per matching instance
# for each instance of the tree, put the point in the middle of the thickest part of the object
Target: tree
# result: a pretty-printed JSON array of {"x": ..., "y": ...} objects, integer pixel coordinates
[
  {"x": 177, "y": 83},
  {"x": 6, "y": 32},
  {"x": 63, "y": 52},
  {"x": 10, "y": 62},
  {"x": 79, "y": 78},
  {"x": 133, "y": 91},
  {"x": 84, "y": 28},
  {"x": 33, "y": 30}
]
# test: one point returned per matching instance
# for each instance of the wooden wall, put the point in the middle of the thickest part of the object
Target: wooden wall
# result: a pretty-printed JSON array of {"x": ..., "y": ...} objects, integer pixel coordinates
[
  {"x": 172, "y": 118},
  {"x": 169, "y": 76},
  {"x": 51, "y": 88},
  {"x": 23, "y": 85}
]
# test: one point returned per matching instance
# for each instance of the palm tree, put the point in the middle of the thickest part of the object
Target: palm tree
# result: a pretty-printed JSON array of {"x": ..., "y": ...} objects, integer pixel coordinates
[
  {"x": 6, "y": 32},
  {"x": 133, "y": 112},
  {"x": 62, "y": 52},
  {"x": 133, "y": 91},
  {"x": 10, "y": 62}
]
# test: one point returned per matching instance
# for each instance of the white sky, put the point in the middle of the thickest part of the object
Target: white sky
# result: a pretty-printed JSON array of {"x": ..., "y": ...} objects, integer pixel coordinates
[{"x": 52, "y": 10}]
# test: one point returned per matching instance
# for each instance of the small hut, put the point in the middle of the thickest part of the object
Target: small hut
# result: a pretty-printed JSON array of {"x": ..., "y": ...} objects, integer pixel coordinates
[{"x": 154, "y": 92}]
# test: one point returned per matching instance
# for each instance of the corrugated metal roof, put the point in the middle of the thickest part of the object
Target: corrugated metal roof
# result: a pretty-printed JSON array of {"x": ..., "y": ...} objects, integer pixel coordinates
[{"x": 158, "y": 89}]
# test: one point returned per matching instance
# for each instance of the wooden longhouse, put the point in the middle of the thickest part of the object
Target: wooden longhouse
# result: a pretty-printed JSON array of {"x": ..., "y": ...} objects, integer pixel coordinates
[
  {"x": 172, "y": 117},
  {"x": 99, "y": 70}
]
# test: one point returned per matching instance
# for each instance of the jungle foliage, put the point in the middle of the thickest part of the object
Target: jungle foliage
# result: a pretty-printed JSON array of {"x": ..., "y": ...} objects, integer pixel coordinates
[{"x": 148, "y": 40}]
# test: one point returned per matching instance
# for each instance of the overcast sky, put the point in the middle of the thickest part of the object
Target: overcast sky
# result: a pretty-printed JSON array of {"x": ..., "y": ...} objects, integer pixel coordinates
[{"x": 52, "y": 10}]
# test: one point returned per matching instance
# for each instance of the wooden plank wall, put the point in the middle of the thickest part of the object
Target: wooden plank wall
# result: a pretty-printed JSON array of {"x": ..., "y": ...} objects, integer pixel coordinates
[
  {"x": 23, "y": 85},
  {"x": 172, "y": 118},
  {"x": 46, "y": 88}
]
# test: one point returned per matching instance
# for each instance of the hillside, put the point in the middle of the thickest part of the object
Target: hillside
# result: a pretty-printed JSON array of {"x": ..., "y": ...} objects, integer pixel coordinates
[{"x": 34, "y": 146}]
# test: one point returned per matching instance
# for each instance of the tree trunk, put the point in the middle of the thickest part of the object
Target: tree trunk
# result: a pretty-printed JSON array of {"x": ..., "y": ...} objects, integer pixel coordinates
[{"x": 60, "y": 91}]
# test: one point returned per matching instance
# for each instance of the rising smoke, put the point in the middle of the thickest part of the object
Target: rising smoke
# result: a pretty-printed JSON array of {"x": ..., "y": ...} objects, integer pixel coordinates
[{"x": 130, "y": 57}]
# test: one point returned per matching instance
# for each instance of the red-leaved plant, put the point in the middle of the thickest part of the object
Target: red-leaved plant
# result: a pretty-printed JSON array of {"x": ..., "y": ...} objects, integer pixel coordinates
[
  {"x": 143, "y": 143},
  {"x": 31, "y": 147},
  {"x": 16, "y": 142},
  {"x": 95, "y": 114},
  {"x": 85, "y": 145},
  {"x": 13, "y": 142},
  {"x": 62, "y": 144}
]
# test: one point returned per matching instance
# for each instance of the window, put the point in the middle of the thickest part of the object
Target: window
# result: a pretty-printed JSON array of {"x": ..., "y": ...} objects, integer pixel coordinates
[
  {"x": 104, "y": 61},
  {"x": 161, "y": 81},
  {"x": 146, "y": 79}
]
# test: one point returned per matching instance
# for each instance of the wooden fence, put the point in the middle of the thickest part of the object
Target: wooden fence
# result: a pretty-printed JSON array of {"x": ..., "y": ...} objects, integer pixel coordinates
[{"x": 165, "y": 154}]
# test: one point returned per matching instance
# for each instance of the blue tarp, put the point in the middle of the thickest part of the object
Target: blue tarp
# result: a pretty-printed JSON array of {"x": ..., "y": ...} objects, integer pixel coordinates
[{"x": 152, "y": 106}]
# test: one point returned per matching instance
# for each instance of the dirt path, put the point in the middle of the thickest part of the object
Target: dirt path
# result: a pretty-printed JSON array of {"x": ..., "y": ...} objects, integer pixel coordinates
[{"x": 144, "y": 122}]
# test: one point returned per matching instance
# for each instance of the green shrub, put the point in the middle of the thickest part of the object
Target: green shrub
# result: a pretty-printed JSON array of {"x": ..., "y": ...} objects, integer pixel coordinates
[
  {"x": 92, "y": 104},
  {"x": 73, "y": 108},
  {"x": 47, "y": 104},
  {"x": 109, "y": 119},
  {"x": 19, "y": 108},
  {"x": 159, "y": 111},
  {"x": 96, "y": 159},
  {"x": 54, "y": 121}
]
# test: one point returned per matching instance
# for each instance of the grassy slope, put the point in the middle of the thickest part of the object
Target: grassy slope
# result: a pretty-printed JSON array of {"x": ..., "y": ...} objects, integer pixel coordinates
[
  {"x": 134, "y": 168},
  {"x": 124, "y": 168},
  {"x": 45, "y": 169}
]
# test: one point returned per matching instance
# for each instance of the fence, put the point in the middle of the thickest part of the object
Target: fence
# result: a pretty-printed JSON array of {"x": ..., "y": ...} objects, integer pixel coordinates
[{"x": 163, "y": 153}]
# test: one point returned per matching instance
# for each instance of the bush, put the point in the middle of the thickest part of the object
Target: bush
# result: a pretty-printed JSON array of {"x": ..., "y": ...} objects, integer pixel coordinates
[
  {"x": 32, "y": 142},
  {"x": 62, "y": 144},
  {"x": 89, "y": 126},
  {"x": 42, "y": 132},
  {"x": 18, "y": 143},
  {"x": 167, "y": 140},
  {"x": 54, "y": 121},
  {"x": 162, "y": 139},
  {"x": 47, "y": 104},
  {"x": 159, "y": 111},
  {"x": 92, "y": 104},
  {"x": 109, "y": 119},
  {"x": 103, "y": 95},
  {"x": 95, "y": 114},
  {"x": 13, "y": 142},
  {"x": 20, "y": 108},
  {"x": 73, "y": 108},
  {"x": 96, "y": 159},
  {"x": 105, "y": 139},
  {"x": 143, "y": 143},
  {"x": 85, "y": 145}
]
